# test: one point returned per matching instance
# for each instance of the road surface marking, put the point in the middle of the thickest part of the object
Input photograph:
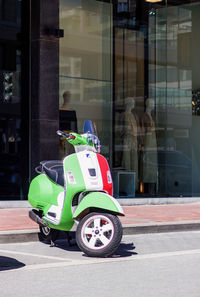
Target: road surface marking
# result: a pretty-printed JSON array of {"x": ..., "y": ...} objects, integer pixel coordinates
[
  {"x": 70, "y": 262},
  {"x": 34, "y": 255}
]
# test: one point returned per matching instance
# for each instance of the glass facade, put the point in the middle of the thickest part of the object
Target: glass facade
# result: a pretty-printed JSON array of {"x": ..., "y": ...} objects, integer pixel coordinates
[{"x": 131, "y": 66}]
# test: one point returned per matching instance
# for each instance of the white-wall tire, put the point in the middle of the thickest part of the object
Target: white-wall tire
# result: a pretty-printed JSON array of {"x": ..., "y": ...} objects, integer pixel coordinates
[{"x": 99, "y": 234}]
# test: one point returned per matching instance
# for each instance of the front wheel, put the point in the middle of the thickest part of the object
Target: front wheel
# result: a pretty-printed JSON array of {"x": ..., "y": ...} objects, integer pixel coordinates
[{"x": 99, "y": 235}]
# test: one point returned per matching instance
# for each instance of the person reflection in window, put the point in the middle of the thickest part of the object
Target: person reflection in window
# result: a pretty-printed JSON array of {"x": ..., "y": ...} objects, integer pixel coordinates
[
  {"x": 130, "y": 138},
  {"x": 68, "y": 120},
  {"x": 149, "y": 144},
  {"x": 67, "y": 123}
]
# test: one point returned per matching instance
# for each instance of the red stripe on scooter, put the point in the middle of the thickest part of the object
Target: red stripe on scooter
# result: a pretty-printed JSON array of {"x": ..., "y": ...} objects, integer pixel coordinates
[{"x": 104, "y": 167}]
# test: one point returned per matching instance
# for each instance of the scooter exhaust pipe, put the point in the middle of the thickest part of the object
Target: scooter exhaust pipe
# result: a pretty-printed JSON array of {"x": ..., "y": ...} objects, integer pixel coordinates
[{"x": 34, "y": 215}]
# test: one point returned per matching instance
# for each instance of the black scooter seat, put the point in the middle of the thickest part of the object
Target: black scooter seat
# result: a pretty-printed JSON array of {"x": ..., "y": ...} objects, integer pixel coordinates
[{"x": 54, "y": 170}]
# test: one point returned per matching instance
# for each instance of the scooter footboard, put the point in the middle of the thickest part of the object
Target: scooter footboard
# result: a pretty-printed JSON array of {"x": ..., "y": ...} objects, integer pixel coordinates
[{"x": 96, "y": 201}]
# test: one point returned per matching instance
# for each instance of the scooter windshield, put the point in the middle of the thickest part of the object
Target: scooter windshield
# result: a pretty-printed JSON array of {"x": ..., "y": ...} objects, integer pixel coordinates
[
  {"x": 93, "y": 141},
  {"x": 93, "y": 144},
  {"x": 89, "y": 132},
  {"x": 89, "y": 127}
]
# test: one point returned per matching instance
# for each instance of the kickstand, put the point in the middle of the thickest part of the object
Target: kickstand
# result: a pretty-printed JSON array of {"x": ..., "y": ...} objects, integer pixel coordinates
[
  {"x": 52, "y": 243},
  {"x": 69, "y": 238},
  {"x": 52, "y": 239}
]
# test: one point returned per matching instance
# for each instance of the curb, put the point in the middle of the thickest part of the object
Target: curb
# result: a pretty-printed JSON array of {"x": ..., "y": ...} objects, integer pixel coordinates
[
  {"x": 161, "y": 227},
  {"x": 15, "y": 236},
  {"x": 123, "y": 201},
  {"x": 18, "y": 236}
]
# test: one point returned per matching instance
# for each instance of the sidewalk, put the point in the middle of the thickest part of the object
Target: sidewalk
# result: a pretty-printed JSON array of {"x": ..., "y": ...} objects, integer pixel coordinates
[{"x": 16, "y": 226}]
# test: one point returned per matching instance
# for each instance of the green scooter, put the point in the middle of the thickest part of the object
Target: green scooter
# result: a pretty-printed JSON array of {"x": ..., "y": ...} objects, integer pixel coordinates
[{"x": 76, "y": 194}]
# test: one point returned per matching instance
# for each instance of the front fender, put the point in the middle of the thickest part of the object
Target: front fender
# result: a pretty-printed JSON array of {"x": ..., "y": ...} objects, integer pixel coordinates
[{"x": 95, "y": 201}]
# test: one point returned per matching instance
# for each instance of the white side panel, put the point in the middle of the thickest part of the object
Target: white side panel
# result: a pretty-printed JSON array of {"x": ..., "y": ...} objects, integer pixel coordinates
[
  {"x": 57, "y": 209},
  {"x": 88, "y": 160}
]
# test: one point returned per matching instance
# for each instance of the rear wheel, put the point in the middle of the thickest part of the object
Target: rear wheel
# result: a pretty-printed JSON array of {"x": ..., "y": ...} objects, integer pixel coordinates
[
  {"x": 48, "y": 234},
  {"x": 99, "y": 235}
]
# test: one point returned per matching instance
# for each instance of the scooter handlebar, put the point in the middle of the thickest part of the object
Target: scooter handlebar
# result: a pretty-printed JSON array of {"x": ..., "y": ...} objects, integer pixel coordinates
[
  {"x": 67, "y": 135},
  {"x": 61, "y": 133}
]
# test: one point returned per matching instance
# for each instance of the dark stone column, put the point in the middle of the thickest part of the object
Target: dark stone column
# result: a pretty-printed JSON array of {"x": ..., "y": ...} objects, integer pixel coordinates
[{"x": 44, "y": 81}]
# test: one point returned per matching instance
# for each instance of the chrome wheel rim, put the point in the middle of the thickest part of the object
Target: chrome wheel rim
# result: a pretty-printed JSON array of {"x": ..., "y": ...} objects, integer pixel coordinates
[
  {"x": 46, "y": 230},
  {"x": 97, "y": 232}
]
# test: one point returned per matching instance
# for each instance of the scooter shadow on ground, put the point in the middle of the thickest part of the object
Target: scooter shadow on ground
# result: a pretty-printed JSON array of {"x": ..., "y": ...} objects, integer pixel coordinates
[
  {"x": 64, "y": 243},
  {"x": 124, "y": 249}
]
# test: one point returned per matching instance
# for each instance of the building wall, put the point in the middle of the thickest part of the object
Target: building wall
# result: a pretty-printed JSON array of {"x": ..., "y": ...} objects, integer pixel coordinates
[
  {"x": 113, "y": 57},
  {"x": 44, "y": 81}
]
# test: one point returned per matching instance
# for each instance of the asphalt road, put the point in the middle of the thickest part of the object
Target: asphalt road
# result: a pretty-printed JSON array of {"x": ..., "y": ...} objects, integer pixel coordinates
[{"x": 157, "y": 265}]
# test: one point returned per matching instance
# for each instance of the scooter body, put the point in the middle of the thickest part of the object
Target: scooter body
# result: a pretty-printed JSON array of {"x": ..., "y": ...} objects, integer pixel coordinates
[
  {"x": 88, "y": 186},
  {"x": 65, "y": 192}
]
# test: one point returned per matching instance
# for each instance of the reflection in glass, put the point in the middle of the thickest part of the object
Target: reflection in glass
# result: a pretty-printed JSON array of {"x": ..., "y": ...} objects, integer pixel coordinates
[{"x": 133, "y": 68}]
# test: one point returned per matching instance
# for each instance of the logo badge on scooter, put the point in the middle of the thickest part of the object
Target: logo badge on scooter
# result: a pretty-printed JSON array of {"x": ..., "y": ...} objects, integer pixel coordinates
[
  {"x": 87, "y": 155},
  {"x": 71, "y": 178}
]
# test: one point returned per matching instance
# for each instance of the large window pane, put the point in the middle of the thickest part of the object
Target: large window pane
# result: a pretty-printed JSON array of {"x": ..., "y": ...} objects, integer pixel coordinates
[
  {"x": 148, "y": 100},
  {"x": 86, "y": 65},
  {"x": 174, "y": 84}
]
